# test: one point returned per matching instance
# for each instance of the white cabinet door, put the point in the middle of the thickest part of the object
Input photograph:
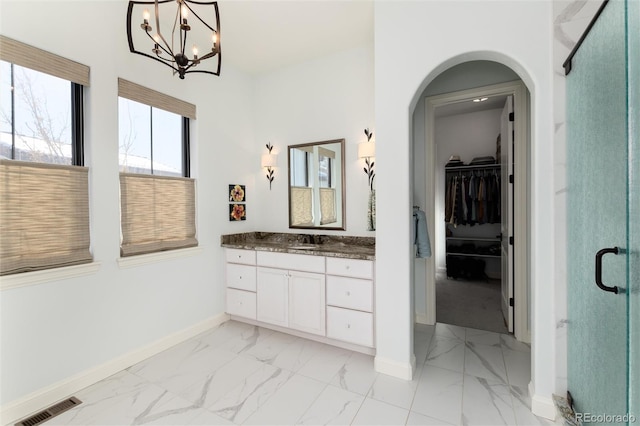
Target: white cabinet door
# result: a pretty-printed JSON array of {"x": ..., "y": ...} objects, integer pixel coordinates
[
  {"x": 307, "y": 302},
  {"x": 273, "y": 296}
]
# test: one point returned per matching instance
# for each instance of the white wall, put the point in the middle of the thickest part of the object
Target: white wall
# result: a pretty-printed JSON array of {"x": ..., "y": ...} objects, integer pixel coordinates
[
  {"x": 414, "y": 42},
  {"x": 54, "y": 330},
  {"x": 467, "y": 135},
  {"x": 327, "y": 98}
]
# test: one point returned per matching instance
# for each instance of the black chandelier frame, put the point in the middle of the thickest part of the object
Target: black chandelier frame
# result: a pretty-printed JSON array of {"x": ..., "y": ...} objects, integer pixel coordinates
[{"x": 179, "y": 62}]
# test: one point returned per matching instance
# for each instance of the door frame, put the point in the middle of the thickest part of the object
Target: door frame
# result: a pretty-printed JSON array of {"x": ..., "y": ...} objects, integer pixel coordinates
[{"x": 521, "y": 190}]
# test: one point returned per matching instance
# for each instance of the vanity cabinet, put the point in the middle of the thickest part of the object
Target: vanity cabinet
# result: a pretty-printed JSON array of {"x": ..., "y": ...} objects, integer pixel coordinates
[
  {"x": 350, "y": 300},
  {"x": 295, "y": 297},
  {"x": 240, "y": 277},
  {"x": 319, "y": 295}
]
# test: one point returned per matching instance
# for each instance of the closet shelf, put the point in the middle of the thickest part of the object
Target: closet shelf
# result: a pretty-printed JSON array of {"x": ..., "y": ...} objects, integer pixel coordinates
[
  {"x": 473, "y": 167},
  {"x": 491, "y": 240},
  {"x": 492, "y": 256}
]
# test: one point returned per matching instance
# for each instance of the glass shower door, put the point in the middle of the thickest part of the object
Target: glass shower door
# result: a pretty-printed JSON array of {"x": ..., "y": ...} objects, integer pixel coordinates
[{"x": 598, "y": 220}]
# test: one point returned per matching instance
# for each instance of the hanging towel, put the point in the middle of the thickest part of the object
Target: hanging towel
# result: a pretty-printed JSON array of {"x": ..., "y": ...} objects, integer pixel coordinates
[{"x": 422, "y": 234}]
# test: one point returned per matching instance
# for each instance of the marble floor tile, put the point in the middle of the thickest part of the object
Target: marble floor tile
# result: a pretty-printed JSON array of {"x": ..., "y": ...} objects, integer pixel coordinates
[
  {"x": 214, "y": 385},
  {"x": 518, "y": 365},
  {"x": 243, "y": 374},
  {"x": 288, "y": 403},
  {"x": 223, "y": 333},
  {"x": 268, "y": 349},
  {"x": 246, "y": 340},
  {"x": 207, "y": 418},
  {"x": 357, "y": 374},
  {"x": 450, "y": 331},
  {"x": 482, "y": 337},
  {"x": 325, "y": 363},
  {"x": 334, "y": 406},
  {"x": 239, "y": 403},
  {"x": 421, "y": 420},
  {"x": 374, "y": 412},
  {"x": 133, "y": 407},
  {"x": 484, "y": 361},
  {"x": 439, "y": 394},
  {"x": 178, "y": 369},
  {"x": 509, "y": 342},
  {"x": 395, "y": 391},
  {"x": 296, "y": 354},
  {"x": 446, "y": 353},
  {"x": 486, "y": 402},
  {"x": 100, "y": 397}
]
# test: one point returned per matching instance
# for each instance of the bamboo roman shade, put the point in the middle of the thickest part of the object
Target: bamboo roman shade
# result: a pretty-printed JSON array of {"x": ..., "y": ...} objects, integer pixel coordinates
[
  {"x": 157, "y": 213},
  {"x": 40, "y": 60},
  {"x": 301, "y": 205},
  {"x": 44, "y": 216},
  {"x": 327, "y": 206},
  {"x": 135, "y": 92}
]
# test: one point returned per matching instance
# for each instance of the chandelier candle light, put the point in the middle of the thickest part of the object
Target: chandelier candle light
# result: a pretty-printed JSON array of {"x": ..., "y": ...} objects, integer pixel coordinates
[{"x": 173, "y": 54}]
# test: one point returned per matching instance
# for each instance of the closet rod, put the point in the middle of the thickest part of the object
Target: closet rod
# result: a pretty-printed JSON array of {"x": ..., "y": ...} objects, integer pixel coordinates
[
  {"x": 473, "y": 167},
  {"x": 567, "y": 64}
]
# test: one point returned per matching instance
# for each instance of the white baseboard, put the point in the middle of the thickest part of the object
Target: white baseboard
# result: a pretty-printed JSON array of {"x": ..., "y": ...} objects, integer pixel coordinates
[
  {"x": 397, "y": 369},
  {"x": 42, "y": 398},
  {"x": 542, "y": 406}
]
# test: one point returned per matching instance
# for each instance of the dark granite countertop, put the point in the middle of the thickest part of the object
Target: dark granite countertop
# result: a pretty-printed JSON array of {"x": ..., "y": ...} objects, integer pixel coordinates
[{"x": 318, "y": 245}]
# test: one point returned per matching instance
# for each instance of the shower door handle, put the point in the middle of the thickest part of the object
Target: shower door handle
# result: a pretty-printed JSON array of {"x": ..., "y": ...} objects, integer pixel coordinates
[{"x": 599, "y": 255}]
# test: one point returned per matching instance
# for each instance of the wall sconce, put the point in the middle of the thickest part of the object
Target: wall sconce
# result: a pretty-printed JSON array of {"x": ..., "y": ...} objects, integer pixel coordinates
[
  {"x": 269, "y": 161},
  {"x": 367, "y": 150}
]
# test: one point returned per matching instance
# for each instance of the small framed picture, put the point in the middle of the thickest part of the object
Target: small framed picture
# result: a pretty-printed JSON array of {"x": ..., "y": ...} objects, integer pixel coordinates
[
  {"x": 237, "y": 212},
  {"x": 237, "y": 194}
]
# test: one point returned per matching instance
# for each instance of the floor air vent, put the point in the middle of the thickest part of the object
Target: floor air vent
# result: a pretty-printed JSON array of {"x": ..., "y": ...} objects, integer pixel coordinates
[{"x": 50, "y": 412}]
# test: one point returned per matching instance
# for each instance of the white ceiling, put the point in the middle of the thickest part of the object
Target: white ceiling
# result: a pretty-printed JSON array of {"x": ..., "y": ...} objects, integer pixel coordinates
[{"x": 262, "y": 35}]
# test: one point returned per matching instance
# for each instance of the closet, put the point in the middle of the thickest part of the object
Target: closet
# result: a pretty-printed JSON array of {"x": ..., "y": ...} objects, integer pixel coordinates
[
  {"x": 472, "y": 198},
  {"x": 470, "y": 219}
]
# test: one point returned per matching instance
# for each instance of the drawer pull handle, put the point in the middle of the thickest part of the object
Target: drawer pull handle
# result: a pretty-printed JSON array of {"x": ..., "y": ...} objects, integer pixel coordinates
[
  {"x": 348, "y": 293},
  {"x": 348, "y": 325},
  {"x": 348, "y": 266}
]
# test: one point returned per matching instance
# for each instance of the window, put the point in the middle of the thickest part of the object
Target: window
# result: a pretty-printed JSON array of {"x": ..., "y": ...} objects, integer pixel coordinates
[
  {"x": 152, "y": 141},
  {"x": 44, "y": 214},
  {"x": 157, "y": 197}
]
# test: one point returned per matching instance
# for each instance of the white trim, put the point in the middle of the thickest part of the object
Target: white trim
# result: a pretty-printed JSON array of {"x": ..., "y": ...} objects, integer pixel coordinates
[
  {"x": 8, "y": 282},
  {"x": 541, "y": 406},
  {"x": 146, "y": 259},
  {"x": 521, "y": 208},
  {"x": 393, "y": 368},
  {"x": 25, "y": 406},
  {"x": 422, "y": 319}
]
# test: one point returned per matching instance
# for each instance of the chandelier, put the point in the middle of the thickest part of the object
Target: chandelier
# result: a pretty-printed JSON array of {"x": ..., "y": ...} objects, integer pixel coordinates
[{"x": 180, "y": 19}]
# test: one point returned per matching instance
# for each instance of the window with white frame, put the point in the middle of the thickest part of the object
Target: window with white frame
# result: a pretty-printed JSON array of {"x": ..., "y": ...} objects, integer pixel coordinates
[
  {"x": 157, "y": 197},
  {"x": 44, "y": 214}
]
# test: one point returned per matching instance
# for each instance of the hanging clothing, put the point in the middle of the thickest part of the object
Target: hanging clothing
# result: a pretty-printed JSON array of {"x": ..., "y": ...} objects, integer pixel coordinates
[{"x": 472, "y": 196}]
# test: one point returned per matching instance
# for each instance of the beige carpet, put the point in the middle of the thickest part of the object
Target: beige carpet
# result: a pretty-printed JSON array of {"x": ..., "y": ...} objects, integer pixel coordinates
[{"x": 474, "y": 304}]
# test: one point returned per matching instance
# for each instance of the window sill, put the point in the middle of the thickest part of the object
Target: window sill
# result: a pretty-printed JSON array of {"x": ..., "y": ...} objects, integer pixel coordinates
[
  {"x": 145, "y": 259},
  {"x": 25, "y": 279}
]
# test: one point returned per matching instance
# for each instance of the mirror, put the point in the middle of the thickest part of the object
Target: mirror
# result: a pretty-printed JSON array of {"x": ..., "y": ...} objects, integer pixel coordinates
[{"x": 317, "y": 185}]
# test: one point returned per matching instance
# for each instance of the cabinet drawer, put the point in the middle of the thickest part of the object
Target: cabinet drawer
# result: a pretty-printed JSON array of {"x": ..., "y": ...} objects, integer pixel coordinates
[
  {"x": 352, "y": 293},
  {"x": 350, "y": 267},
  {"x": 297, "y": 262},
  {"x": 350, "y": 326},
  {"x": 241, "y": 303},
  {"x": 242, "y": 277},
  {"x": 246, "y": 257}
]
